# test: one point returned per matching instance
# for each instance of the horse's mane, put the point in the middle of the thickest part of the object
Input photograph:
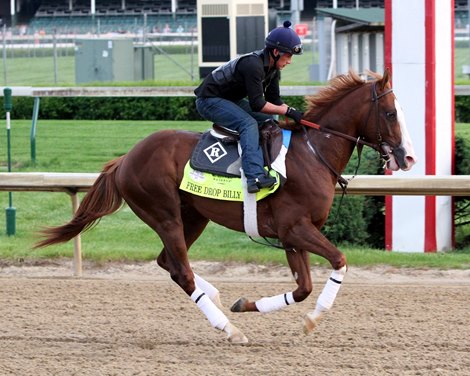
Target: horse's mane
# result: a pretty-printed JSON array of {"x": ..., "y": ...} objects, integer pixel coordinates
[{"x": 337, "y": 87}]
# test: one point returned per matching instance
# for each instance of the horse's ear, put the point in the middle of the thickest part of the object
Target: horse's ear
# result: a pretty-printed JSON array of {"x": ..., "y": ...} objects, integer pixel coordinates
[{"x": 385, "y": 79}]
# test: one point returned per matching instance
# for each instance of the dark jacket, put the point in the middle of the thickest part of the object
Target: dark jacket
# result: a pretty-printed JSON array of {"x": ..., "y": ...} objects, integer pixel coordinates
[{"x": 245, "y": 76}]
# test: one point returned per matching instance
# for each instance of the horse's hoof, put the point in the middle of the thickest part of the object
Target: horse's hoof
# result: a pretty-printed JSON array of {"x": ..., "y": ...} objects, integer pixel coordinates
[
  {"x": 239, "y": 305},
  {"x": 235, "y": 335},
  {"x": 311, "y": 321}
]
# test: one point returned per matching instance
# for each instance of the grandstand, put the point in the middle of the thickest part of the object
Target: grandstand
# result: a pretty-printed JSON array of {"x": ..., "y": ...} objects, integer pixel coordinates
[
  {"x": 152, "y": 16},
  {"x": 131, "y": 16},
  {"x": 112, "y": 16}
]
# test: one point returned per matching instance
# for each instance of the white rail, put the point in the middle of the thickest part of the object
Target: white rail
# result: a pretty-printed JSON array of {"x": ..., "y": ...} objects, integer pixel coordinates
[
  {"x": 372, "y": 185},
  {"x": 153, "y": 91},
  {"x": 72, "y": 183}
]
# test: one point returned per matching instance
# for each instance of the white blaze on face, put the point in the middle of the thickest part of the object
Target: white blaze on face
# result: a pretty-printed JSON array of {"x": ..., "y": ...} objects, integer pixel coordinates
[{"x": 406, "y": 143}]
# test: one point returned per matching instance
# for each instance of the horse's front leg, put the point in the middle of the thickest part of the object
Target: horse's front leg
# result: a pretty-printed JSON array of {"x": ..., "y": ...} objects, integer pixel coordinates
[
  {"x": 325, "y": 300},
  {"x": 300, "y": 266}
]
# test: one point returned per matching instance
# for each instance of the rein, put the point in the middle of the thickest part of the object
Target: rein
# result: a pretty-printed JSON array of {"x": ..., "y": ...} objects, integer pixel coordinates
[{"x": 339, "y": 134}]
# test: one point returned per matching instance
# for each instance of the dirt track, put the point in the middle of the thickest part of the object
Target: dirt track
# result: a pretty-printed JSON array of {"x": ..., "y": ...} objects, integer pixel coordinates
[{"x": 132, "y": 320}]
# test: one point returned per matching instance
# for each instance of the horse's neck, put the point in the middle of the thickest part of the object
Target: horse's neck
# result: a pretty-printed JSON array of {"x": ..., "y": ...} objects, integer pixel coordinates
[
  {"x": 335, "y": 149},
  {"x": 346, "y": 115}
]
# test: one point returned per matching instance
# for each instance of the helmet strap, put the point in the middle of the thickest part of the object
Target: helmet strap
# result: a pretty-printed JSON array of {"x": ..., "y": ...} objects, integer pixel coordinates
[{"x": 275, "y": 58}]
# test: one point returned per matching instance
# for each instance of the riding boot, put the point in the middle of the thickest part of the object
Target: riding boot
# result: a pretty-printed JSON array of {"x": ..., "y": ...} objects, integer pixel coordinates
[{"x": 262, "y": 181}]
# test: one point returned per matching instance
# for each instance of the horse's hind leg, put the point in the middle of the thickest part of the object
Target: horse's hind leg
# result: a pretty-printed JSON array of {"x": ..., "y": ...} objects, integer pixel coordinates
[
  {"x": 300, "y": 266},
  {"x": 193, "y": 224},
  {"x": 166, "y": 220}
]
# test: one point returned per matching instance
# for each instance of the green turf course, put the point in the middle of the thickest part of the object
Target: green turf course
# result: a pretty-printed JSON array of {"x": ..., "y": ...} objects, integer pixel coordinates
[
  {"x": 19, "y": 72},
  {"x": 39, "y": 70},
  {"x": 84, "y": 146}
]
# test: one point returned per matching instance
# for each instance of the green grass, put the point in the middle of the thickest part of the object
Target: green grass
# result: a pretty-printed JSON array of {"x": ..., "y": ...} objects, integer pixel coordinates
[
  {"x": 461, "y": 57},
  {"x": 84, "y": 146},
  {"x": 39, "y": 70}
]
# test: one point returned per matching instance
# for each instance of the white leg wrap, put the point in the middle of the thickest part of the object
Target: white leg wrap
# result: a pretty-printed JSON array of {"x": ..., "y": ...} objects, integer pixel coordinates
[
  {"x": 215, "y": 316},
  {"x": 328, "y": 295},
  {"x": 205, "y": 286},
  {"x": 275, "y": 303}
]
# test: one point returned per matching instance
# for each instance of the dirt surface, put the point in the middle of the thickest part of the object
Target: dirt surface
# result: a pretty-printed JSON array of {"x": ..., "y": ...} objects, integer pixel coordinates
[{"x": 133, "y": 320}]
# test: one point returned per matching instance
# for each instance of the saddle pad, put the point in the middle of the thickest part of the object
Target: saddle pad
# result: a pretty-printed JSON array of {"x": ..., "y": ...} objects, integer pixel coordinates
[
  {"x": 205, "y": 184},
  {"x": 221, "y": 157},
  {"x": 212, "y": 154}
]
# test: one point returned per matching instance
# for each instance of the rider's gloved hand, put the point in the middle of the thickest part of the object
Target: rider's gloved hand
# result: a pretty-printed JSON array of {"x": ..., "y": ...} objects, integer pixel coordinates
[{"x": 294, "y": 114}]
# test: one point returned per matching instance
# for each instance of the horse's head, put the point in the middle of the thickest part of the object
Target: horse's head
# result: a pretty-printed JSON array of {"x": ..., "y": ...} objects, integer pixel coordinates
[
  {"x": 386, "y": 126},
  {"x": 366, "y": 112}
]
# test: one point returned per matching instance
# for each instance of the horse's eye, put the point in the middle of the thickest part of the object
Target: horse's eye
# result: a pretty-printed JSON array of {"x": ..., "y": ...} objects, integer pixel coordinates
[{"x": 391, "y": 115}]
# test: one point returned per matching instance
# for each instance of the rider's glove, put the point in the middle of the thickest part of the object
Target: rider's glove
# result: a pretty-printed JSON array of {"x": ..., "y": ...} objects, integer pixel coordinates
[{"x": 294, "y": 114}]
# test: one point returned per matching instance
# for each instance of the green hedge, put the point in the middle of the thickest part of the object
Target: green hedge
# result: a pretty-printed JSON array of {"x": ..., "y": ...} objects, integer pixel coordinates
[
  {"x": 122, "y": 108},
  {"x": 462, "y": 109},
  {"x": 344, "y": 225},
  {"x": 128, "y": 108},
  {"x": 462, "y": 203},
  {"x": 152, "y": 108}
]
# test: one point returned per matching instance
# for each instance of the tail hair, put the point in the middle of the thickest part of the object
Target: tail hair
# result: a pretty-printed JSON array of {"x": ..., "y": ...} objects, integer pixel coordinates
[{"x": 102, "y": 199}]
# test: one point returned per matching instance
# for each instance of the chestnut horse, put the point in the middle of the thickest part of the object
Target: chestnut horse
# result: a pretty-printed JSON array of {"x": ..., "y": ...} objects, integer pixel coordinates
[{"x": 350, "y": 111}]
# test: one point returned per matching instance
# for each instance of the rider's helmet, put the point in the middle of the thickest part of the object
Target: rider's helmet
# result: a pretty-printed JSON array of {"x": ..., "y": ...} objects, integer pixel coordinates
[{"x": 284, "y": 39}]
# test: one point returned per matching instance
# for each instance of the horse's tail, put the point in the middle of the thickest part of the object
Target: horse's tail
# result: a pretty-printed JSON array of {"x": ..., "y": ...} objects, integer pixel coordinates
[{"x": 102, "y": 199}]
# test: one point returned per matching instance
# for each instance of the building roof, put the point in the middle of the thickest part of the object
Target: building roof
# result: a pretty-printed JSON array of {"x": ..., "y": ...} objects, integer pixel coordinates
[{"x": 352, "y": 18}]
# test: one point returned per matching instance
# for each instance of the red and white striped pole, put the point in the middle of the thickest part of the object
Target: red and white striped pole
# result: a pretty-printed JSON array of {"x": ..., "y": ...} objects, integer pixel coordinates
[{"x": 419, "y": 49}]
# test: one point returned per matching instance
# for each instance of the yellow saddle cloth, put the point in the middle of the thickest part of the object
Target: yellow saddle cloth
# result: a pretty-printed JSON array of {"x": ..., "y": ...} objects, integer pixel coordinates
[{"x": 219, "y": 187}]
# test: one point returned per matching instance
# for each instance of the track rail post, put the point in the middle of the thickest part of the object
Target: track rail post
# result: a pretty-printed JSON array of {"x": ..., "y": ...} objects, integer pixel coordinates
[{"x": 77, "y": 241}]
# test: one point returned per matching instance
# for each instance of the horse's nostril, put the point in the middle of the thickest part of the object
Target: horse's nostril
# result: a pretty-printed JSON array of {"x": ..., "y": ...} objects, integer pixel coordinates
[{"x": 410, "y": 160}]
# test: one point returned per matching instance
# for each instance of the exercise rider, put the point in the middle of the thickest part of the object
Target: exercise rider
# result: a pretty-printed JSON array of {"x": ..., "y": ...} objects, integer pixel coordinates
[{"x": 244, "y": 92}]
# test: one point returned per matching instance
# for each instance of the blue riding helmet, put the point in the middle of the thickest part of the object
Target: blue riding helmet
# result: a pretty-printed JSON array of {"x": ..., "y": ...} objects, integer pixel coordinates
[{"x": 284, "y": 39}]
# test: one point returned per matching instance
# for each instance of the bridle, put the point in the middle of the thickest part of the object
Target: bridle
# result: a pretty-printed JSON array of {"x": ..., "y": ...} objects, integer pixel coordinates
[
  {"x": 379, "y": 146},
  {"x": 359, "y": 140}
]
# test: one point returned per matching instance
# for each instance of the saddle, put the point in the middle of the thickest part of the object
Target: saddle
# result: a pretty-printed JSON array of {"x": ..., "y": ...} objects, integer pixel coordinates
[{"x": 218, "y": 152}]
